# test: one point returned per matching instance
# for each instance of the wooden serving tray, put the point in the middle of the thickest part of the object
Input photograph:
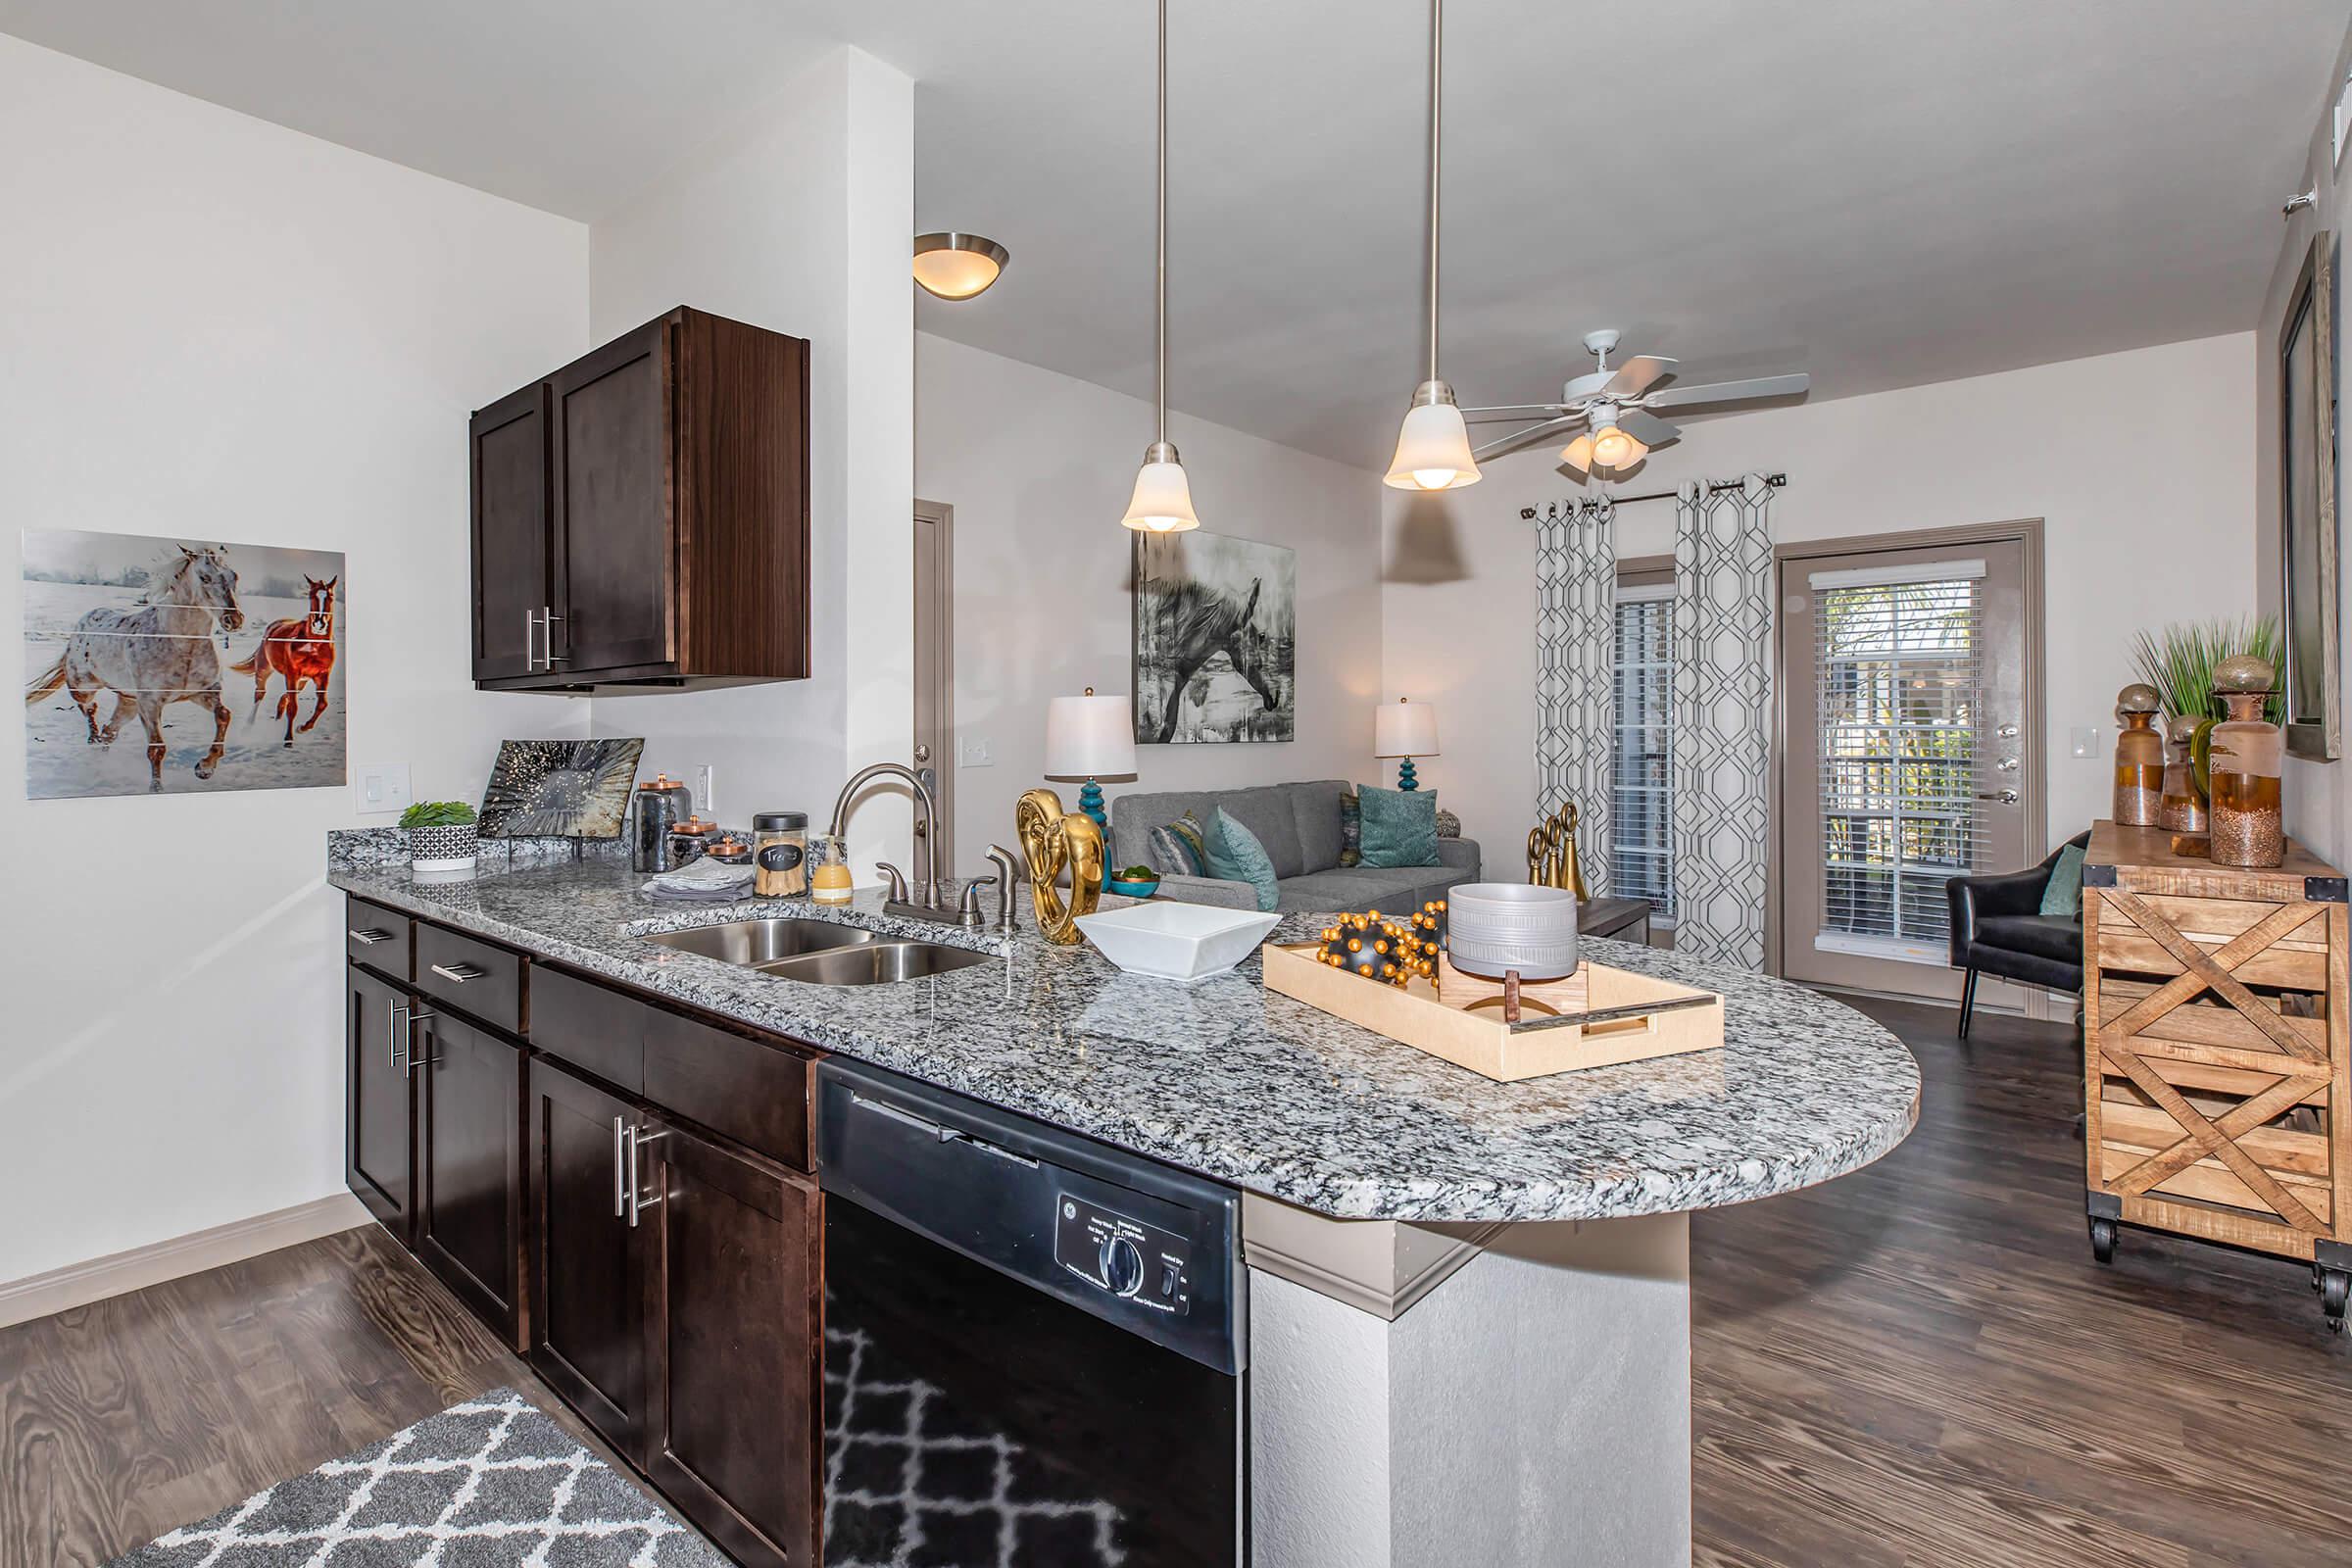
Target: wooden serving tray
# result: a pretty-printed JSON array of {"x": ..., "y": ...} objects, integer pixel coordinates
[{"x": 1596, "y": 1017}]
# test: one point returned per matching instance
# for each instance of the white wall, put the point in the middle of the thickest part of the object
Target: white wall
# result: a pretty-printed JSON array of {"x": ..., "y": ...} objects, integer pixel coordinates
[
  {"x": 222, "y": 330},
  {"x": 801, "y": 226},
  {"x": 2318, "y": 795},
  {"x": 1038, "y": 467},
  {"x": 2139, "y": 465}
]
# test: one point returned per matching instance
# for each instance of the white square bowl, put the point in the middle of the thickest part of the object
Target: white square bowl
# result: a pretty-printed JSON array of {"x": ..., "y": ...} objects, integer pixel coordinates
[{"x": 1171, "y": 940}]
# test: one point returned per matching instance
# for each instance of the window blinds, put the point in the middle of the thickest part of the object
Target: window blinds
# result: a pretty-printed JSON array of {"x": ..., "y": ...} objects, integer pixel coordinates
[
  {"x": 1641, "y": 800},
  {"x": 1900, "y": 677}
]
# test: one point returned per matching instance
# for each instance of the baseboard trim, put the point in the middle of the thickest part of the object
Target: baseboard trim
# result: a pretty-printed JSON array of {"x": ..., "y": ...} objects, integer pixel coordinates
[{"x": 79, "y": 1284}]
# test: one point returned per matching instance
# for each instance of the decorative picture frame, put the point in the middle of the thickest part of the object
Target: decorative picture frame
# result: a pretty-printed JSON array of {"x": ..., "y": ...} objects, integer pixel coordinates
[
  {"x": 1215, "y": 625},
  {"x": 2312, "y": 679}
]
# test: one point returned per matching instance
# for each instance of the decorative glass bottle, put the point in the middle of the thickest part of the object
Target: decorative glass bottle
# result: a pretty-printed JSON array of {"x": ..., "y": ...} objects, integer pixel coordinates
[
  {"x": 2138, "y": 756},
  {"x": 2182, "y": 809},
  {"x": 2247, "y": 757}
]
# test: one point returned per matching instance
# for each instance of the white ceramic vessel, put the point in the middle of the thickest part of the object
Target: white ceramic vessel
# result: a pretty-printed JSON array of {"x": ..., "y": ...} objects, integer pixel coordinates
[
  {"x": 1493, "y": 927},
  {"x": 1170, "y": 941}
]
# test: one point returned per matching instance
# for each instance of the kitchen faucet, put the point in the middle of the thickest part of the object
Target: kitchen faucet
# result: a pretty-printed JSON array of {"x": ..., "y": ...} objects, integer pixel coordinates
[{"x": 924, "y": 901}]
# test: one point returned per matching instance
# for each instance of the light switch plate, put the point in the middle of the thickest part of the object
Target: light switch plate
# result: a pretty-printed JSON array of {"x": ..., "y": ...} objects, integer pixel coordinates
[
  {"x": 382, "y": 787},
  {"x": 972, "y": 751},
  {"x": 2085, "y": 739}
]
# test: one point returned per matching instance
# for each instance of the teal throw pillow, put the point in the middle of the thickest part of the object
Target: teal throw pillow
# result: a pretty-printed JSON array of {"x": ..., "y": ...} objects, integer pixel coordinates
[
  {"x": 1401, "y": 826},
  {"x": 2064, "y": 894},
  {"x": 1235, "y": 856}
]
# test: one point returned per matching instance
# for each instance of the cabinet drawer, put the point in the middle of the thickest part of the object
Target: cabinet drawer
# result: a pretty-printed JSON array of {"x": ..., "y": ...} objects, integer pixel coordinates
[
  {"x": 595, "y": 1029},
  {"x": 376, "y": 937},
  {"x": 757, "y": 1094},
  {"x": 470, "y": 975}
]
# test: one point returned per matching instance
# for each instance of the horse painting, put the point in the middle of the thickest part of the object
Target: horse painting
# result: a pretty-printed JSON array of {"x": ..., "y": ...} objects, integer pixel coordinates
[
  {"x": 1198, "y": 596},
  {"x": 152, "y": 656},
  {"x": 301, "y": 647}
]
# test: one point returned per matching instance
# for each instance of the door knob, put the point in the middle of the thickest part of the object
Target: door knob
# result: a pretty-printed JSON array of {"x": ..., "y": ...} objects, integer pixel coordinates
[
  {"x": 2007, "y": 732},
  {"x": 2007, "y": 764},
  {"x": 2005, "y": 797}
]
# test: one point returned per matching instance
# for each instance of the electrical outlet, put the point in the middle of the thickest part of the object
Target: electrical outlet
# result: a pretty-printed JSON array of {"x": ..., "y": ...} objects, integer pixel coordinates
[
  {"x": 2085, "y": 739},
  {"x": 383, "y": 787},
  {"x": 706, "y": 781},
  {"x": 973, "y": 752}
]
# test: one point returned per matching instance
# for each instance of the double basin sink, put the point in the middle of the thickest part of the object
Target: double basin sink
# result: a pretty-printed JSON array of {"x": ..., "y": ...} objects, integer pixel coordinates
[{"x": 820, "y": 952}]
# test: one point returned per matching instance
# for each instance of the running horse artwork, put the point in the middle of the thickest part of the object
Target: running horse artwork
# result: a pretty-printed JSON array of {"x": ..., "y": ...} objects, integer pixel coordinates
[
  {"x": 152, "y": 657},
  {"x": 1215, "y": 639},
  {"x": 301, "y": 647}
]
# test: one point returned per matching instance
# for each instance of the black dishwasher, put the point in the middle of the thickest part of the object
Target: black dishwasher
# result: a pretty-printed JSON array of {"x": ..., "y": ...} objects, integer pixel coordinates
[{"x": 1034, "y": 1344}]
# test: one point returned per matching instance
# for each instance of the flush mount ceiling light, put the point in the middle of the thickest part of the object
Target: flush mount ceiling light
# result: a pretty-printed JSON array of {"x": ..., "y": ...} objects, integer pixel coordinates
[
  {"x": 1162, "y": 502},
  {"x": 956, "y": 267},
  {"x": 1433, "y": 447}
]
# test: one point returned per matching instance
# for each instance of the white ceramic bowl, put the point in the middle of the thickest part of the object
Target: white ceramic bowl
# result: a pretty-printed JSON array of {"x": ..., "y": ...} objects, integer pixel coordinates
[
  {"x": 1491, "y": 927},
  {"x": 1171, "y": 940}
]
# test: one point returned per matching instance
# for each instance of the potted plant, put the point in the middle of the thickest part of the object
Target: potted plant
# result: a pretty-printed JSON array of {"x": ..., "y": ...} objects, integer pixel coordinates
[
  {"x": 2179, "y": 661},
  {"x": 442, "y": 836}
]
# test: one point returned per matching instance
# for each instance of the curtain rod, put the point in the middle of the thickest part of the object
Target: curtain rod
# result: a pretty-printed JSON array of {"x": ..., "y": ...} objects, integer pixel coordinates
[{"x": 1776, "y": 480}]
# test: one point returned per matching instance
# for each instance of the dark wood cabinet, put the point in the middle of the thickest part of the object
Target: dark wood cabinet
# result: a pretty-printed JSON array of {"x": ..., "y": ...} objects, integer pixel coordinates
[
  {"x": 666, "y": 541},
  {"x": 734, "y": 1350},
  {"x": 379, "y": 1142},
  {"x": 470, "y": 1222},
  {"x": 587, "y": 1281}
]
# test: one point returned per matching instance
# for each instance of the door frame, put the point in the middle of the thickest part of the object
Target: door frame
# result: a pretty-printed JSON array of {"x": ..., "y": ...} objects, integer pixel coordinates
[
  {"x": 2032, "y": 782},
  {"x": 934, "y": 635}
]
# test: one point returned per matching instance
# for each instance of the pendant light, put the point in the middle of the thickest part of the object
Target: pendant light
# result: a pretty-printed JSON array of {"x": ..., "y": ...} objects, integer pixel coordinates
[
  {"x": 953, "y": 266},
  {"x": 1162, "y": 502},
  {"x": 1433, "y": 448}
]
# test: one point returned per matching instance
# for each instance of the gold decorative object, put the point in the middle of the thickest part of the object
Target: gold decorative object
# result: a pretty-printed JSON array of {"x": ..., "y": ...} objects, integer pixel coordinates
[
  {"x": 1380, "y": 949},
  {"x": 1552, "y": 860},
  {"x": 1053, "y": 841}
]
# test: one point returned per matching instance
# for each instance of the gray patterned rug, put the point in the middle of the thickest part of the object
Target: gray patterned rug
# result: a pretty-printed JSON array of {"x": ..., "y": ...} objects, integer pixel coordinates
[{"x": 488, "y": 1484}]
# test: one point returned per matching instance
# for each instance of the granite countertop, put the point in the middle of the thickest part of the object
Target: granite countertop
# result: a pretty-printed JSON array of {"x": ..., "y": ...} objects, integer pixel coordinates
[{"x": 1252, "y": 1087}]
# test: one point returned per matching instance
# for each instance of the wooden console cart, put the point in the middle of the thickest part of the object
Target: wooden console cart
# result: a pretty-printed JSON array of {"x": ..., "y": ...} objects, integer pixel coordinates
[{"x": 2215, "y": 1017}]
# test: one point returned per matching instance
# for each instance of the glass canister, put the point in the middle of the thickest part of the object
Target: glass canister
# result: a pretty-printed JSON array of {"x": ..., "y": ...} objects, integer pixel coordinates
[
  {"x": 780, "y": 851},
  {"x": 2249, "y": 754},
  {"x": 2138, "y": 756},
  {"x": 689, "y": 840},
  {"x": 828, "y": 868},
  {"x": 2182, "y": 809},
  {"x": 660, "y": 806}
]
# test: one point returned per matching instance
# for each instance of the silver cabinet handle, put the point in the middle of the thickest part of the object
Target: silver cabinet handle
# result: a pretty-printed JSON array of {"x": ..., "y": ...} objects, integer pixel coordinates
[
  {"x": 460, "y": 972},
  {"x": 403, "y": 1038},
  {"x": 638, "y": 1201},
  {"x": 547, "y": 624},
  {"x": 397, "y": 1035},
  {"x": 369, "y": 938},
  {"x": 620, "y": 1177}
]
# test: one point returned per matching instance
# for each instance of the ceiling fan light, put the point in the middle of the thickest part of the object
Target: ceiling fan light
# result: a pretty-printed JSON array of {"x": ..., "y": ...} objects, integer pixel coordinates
[
  {"x": 1162, "y": 502},
  {"x": 1433, "y": 445},
  {"x": 1577, "y": 454},
  {"x": 956, "y": 267},
  {"x": 1612, "y": 448}
]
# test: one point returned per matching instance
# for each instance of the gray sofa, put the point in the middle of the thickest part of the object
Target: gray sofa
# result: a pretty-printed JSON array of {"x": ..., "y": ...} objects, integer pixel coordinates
[{"x": 1299, "y": 826}]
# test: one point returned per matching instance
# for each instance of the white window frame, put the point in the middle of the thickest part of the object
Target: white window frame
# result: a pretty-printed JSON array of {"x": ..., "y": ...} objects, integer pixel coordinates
[{"x": 1663, "y": 916}]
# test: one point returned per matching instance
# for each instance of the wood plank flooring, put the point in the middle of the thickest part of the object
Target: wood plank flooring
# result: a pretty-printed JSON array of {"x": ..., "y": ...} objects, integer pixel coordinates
[{"x": 1918, "y": 1365}]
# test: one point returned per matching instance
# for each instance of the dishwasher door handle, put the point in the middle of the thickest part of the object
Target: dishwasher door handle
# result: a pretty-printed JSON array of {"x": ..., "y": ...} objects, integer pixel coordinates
[{"x": 883, "y": 1107}]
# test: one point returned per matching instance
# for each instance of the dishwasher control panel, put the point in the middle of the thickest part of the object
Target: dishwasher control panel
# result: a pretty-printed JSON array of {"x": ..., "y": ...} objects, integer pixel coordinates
[{"x": 1139, "y": 1262}]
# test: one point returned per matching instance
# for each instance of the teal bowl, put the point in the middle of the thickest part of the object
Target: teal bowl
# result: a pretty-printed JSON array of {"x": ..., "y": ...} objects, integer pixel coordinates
[{"x": 1131, "y": 889}]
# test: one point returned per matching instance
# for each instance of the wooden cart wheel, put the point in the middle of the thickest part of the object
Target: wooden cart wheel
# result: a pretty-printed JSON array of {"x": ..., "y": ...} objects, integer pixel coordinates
[
  {"x": 2335, "y": 1286},
  {"x": 2102, "y": 1238}
]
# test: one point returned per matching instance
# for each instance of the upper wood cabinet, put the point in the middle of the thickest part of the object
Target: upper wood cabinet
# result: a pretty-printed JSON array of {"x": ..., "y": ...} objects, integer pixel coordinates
[{"x": 641, "y": 517}]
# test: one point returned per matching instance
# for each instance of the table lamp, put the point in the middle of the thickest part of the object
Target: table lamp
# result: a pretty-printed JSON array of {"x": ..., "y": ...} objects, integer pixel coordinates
[
  {"x": 1091, "y": 738},
  {"x": 1404, "y": 731}
]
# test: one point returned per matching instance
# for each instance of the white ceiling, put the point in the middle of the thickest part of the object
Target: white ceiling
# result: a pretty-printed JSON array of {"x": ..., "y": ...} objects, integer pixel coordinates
[{"x": 1882, "y": 192}]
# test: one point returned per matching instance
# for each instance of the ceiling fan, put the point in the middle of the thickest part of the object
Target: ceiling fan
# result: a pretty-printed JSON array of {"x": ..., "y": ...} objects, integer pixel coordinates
[{"x": 1616, "y": 408}]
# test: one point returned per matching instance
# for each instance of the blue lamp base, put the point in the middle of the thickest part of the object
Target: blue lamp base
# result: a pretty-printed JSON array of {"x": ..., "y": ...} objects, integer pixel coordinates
[
  {"x": 1090, "y": 801},
  {"x": 1404, "y": 775}
]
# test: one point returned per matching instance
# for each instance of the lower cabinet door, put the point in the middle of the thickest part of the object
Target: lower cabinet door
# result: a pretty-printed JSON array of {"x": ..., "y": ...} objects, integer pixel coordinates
[
  {"x": 735, "y": 1330},
  {"x": 469, "y": 1166},
  {"x": 587, "y": 1315},
  {"x": 378, "y": 1101}
]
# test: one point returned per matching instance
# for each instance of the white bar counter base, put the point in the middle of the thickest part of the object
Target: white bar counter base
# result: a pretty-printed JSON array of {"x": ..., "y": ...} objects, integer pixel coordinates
[{"x": 1466, "y": 1396}]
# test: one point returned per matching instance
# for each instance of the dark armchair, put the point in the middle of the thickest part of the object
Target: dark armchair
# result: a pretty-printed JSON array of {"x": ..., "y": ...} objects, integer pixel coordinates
[{"x": 1999, "y": 929}]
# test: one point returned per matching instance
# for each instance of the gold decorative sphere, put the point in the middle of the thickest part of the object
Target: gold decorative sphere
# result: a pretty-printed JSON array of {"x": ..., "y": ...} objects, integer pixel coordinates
[
  {"x": 2244, "y": 672},
  {"x": 2138, "y": 698}
]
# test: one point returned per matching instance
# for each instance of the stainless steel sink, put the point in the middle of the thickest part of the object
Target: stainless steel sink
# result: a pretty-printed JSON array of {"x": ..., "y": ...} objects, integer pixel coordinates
[{"x": 819, "y": 952}]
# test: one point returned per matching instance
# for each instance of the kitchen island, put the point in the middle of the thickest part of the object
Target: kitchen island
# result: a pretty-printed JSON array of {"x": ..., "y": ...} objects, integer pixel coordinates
[{"x": 1468, "y": 1302}]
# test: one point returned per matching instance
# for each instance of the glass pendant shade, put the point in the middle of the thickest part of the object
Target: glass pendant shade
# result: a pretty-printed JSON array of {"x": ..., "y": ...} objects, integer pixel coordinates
[
  {"x": 956, "y": 267},
  {"x": 1433, "y": 449},
  {"x": 1577, "y": 454},
  {"x": 1612, "y": 448},
  {"x": 1162, "y": 502}
]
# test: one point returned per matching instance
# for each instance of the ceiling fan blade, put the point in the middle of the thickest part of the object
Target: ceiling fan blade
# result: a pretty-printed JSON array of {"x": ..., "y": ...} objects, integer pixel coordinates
[
  {"x": 1646, "y": 428},
  {"x": 1520, "y": 438},
  {"x": 1637, "y": 375},
  {"x": 1765, "y": 386},
  {"x": 1517, "y": 410}
]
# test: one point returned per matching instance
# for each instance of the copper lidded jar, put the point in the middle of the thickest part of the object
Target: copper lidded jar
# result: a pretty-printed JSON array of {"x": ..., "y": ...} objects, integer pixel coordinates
[
  {"x": 2182, "y": 809},
  {"x": 2249, "y": 754},
  {"x": 2138, "y": 756}
]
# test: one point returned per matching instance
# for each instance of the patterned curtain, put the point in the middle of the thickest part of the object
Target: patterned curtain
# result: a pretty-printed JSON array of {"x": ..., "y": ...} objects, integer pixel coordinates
[
  {"x": 1722, "y": 713},
  {"x": 1576, "y": 614}
]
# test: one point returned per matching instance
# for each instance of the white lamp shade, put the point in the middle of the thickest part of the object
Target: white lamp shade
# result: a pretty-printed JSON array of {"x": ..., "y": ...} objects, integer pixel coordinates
[
  {"x": 1577, "y": 454},
  {"x": 1162, "y": 503},
  {"x": 1433, "y": 450},
  {"x": 1612, "y": 448},
  {"x": 1404, "y": 729},
  {"x": 1089, "y": 737}
]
